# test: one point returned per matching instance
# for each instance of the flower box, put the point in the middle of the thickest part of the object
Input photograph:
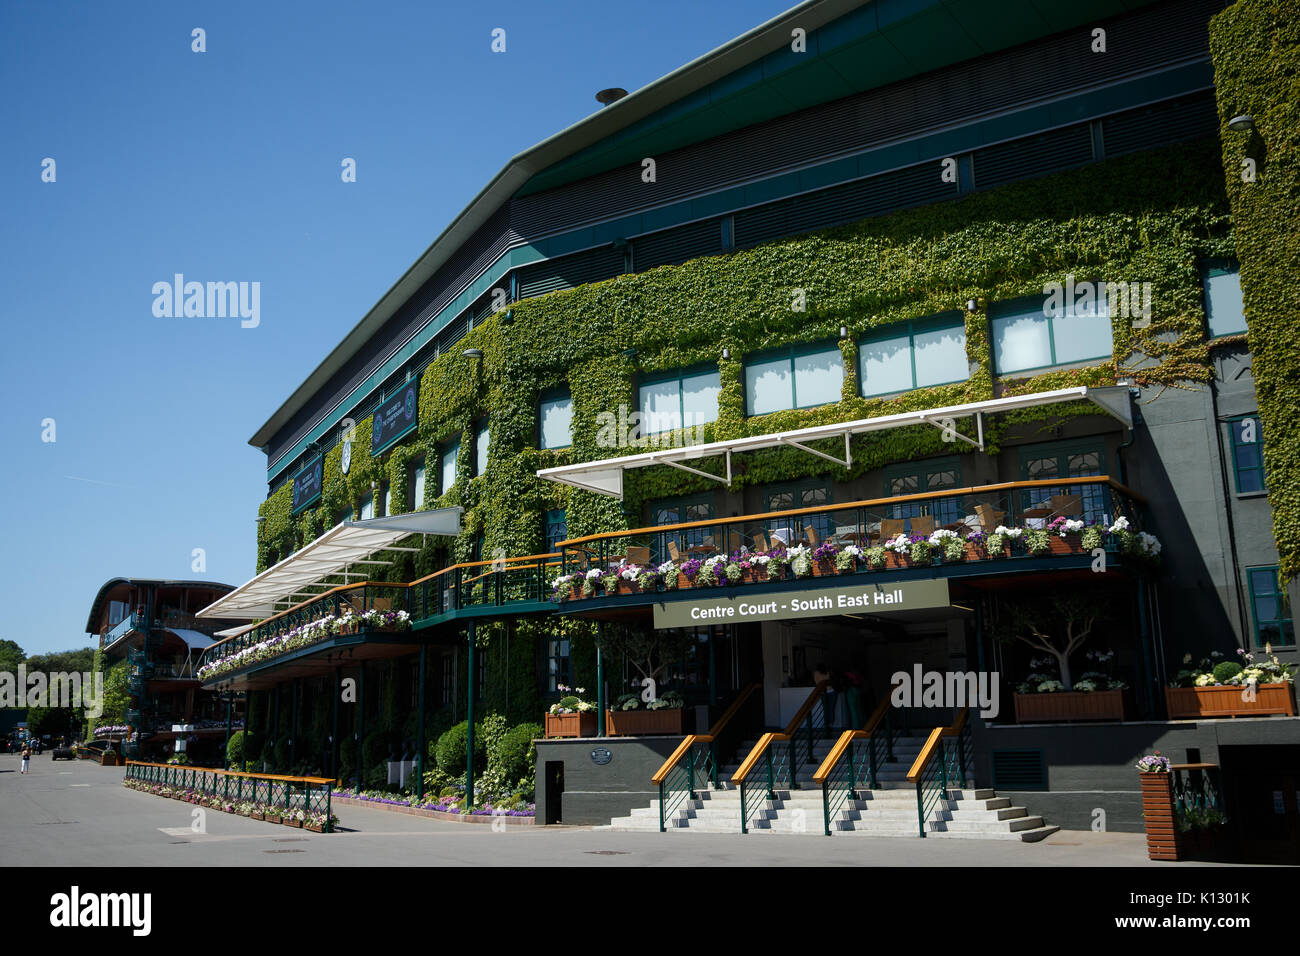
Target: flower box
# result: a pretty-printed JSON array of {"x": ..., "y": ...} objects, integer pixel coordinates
[
  {"x": 1228, "y": 701},
  {"x": 258, "y": 815},
  {"x": 291, "y": 822},
  {"x": 1070, "y": 544},
  {"x": 1070, "y": 705},
  {"x": 313, "y": 828},
  {"x": 643, "y": 723},
  {"x": 577, "y": 724},
  {"x": 894, "y": 561},
  {"x": 271, "y": 818},
  {"x": 108, "y": 759},
  {"x": 1159, "y": 816},
  {"x": 824, "y": 568}
]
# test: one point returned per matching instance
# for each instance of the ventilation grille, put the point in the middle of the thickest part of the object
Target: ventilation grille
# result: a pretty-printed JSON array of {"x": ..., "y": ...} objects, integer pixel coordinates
[
  {"x": 567, "y": 272},
  {"x": 1019, "y": 770},
  {"x": 1033, "y": 156},
  {"x": 1189, "y": 117},
  {"x": 675, "y": 246},
  {"x": 914, "y": 186}
]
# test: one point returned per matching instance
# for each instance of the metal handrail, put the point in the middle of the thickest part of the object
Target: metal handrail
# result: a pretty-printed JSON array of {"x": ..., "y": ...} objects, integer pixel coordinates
[
  {"x": 786, "y": 765},
  {"x": 670, "y": 773},
  {"x": 274, "y": 791},
  {"x": 932, "y": 776},
  {"x": 841, "y": 765}
]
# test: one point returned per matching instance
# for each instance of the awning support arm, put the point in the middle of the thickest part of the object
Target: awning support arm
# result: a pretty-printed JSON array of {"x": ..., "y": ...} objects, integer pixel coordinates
[
  {"x": 848, "y": 453},
  {"x": 979, "y": 427},
  {"x": 702, "y": 474}
]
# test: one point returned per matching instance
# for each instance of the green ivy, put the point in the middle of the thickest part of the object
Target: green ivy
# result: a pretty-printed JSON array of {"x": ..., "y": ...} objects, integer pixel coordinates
[{"x": 1255, "y": 46}]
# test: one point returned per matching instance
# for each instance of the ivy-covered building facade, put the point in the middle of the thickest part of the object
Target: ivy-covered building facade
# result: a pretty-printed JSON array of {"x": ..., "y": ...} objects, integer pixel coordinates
[{"x": 952, "y": 294}]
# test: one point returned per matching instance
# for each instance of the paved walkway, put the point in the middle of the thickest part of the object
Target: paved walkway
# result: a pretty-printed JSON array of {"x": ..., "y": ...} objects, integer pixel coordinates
[{"x": 74, "y": 813}]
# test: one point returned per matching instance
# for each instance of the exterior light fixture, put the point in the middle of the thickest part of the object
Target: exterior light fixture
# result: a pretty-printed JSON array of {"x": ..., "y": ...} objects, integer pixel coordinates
[
  {"x": 844, "y": 331},
  {"x": 472, "y": 353},
  {"x": 726, "y": 354},
  {"x": 972, "y": 305},
  {"x": 629, "y": 354},
  {"x": 1241, "y": 124}
]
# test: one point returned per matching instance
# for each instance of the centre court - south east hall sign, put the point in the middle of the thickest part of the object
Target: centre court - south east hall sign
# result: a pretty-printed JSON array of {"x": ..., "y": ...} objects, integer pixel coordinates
[{"x": 873, "y": 598}]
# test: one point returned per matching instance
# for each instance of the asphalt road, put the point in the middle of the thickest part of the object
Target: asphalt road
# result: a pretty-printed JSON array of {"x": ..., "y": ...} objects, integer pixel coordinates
[{"x": 75, "y": 813}]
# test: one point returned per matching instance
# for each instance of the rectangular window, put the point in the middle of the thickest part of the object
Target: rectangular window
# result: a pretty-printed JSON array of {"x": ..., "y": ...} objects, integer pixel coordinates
[
  {"x": 1224, "y": 310},
  {"x": 367, "y": 507},
  {"x": 682, "y": 401},
  {"x": 926, "y": 477},
  {"x": 344, "y": 515},
  {"x": 1247, "y": 455},
  {"x": 801, "y": 378},
  {"x": 447, "y": 684},
  {"x": 681, "y": 511},
  {"x": 1029, "y": 334},
  {"x": 914, "y": 355},
  {"x": 448, "y": 458},
  {"x": 556, "y": 421},
  {"x": 557, "y": 665},
  {"x": 1078, "y": 459},
  {"x": 416, "y": 485},
  {"x": 1271, "y": 608},
  {"x": 557, "y": 529},
  {"x": 388, "y": 499},
  {"x": 481, "y": 439},
  {"x": 793, "y": 495},
  {"x": 481, "y": 665}
]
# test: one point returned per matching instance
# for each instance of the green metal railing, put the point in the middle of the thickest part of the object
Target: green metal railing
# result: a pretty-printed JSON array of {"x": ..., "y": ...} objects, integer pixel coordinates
[
  {"x": 694, "y": 764},
  {"x": 274, "y": 792},
  {"x": 855, "y": 760},
  {"x": 777, "y": 757},
  {"x": 1197, "y": 791},
  {"x": 944, "y": 762}
]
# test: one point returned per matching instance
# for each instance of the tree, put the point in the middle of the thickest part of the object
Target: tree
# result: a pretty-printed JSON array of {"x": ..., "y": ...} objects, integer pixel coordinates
[
  {"x": 1057, "y": 625},
  {"x": 11, "y": 655},
  {"x": 647, "y": 650}
]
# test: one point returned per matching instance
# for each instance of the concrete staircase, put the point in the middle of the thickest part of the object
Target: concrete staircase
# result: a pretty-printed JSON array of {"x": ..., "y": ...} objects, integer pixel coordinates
[{"x": 890, "y": 811}]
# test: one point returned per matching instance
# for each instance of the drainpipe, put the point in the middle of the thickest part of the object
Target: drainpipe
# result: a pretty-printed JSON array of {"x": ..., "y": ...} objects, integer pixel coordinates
[{"x": 1242, "y": 620}]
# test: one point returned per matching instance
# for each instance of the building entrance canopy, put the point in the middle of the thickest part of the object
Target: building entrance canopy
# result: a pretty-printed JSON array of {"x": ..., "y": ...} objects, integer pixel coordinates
[
  {"x": 606, "y": 475},
  {"x": 334, "y": 554}
]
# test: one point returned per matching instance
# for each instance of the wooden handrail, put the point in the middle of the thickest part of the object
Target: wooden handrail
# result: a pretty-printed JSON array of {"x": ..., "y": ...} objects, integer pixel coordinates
[
  {"x": 932, "y": 744},
  {"x": 867, "y": 503},
  {"x": 692, "y": 739},
  {"x": 767, "y": 739},
  {"x": 842, "y": 745},
  {"x": 231, "y": 773}
]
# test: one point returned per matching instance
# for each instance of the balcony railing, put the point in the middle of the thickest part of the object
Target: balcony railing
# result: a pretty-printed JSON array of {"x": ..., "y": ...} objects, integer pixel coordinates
[
  {"x": 132, "y": 622},
  {"x": 380, "y": 606},
  {"x": 970, "y": 513}
]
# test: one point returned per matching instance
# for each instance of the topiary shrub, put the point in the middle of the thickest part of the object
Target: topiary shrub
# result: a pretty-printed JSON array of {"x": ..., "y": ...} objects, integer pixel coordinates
[
  {"x": 1224, "y": 671},
  {"x": 450, "y": 750},
  {"x": 516, "y": 754},
  {"x": 237, "y": 751}
]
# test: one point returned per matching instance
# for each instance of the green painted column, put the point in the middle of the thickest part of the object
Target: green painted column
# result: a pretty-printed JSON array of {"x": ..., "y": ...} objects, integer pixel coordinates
[
  {"x": 293, "y": 723},
  {"x": 600, "y": 681},
  {"x": 361, "y": 725},
  {"x": 469, "y": 715},
  {"x": 1146, "y": 703},
  {"x": 230, "y": 703},
  {"x": 713, "y": 669},
  {"x": 419, "y": 726},
  {"x": 334, "y": 735},
  {"x": 275, "y": 721}
]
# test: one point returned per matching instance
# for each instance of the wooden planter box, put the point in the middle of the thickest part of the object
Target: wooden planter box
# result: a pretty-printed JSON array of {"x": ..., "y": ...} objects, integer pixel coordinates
[
  {"x": 1164, "y": 842},
  {"x": 108, "y": 759},
  {"x": 571, "y": 725},
  {"x": 1070, "y": 544},
  {"x": 287, "y": 821},
  {"x": 643, "y": 723},
  {"x": 313, "y": 829},
  {"x": 271, "y": 819},
  {"x": 1227, "y": 701},
  {"x": 258, "y": 815},
  {"x": 1070, "y": 705}
]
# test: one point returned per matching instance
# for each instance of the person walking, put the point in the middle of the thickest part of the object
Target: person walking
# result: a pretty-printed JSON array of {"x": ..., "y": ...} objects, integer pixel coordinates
[{"x": 27, "y": 759}]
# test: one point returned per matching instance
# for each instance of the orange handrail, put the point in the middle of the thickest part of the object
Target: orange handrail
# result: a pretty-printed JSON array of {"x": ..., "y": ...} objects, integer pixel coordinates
[
  {"x": 842, "y": 745},
  {"x": 692, "y": 739},
  {"x": 867, "y": 503},
  {"x": 767, "y": 739},
  {"x": 932, "y": 744}
]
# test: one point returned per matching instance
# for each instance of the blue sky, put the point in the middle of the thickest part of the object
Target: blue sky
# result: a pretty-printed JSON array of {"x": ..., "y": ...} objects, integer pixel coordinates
[{"x": 225, "y": 166}]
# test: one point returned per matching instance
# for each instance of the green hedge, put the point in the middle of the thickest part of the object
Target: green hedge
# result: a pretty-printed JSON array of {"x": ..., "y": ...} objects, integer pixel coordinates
[
  {"x": 1256, "y": 50},
  {"x": 451, "y": 749}
]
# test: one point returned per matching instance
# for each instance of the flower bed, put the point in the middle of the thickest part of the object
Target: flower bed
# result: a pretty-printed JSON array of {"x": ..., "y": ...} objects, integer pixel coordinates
[
  {"x": 246, "y": 808},
  {"x": 305, "y": 635},
  {"x": 1062, "y": 536},
  {"x": 437, "y": 806}
]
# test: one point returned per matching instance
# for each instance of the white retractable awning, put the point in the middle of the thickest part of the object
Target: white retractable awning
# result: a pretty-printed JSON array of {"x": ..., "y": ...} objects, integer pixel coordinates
[
  {"x": 303, "y": 573},
  {"x": 192, "y": 639},
  {"x": 606, "y": 475}
]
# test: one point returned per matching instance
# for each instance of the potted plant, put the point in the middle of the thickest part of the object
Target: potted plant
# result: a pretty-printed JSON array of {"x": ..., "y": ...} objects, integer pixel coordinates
[
  {"x": 571, "y": 715},
  {"x": 801, "y": 560},
  {"x": 1159, "y": 813},
  {"x": 294, "y": 818},
  {"x": 824, "y": 559},
  {"x": 898, "y": 551},
  {"x": 271, "y": 814},
  {"x": 1231, "y": 689},
  {"x": 848, "y": 559},
  {"x": 633, "y": 717}
]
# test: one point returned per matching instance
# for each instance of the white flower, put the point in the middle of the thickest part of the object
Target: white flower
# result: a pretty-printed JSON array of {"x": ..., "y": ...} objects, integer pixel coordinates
[
  {"x": 1008, "y": 532},
  {"x": 1071, "y": 526},
  {"x": 1121, "y": 524},
  {"x": 593, "y": 574},
  {"x": 666, "y": 567},
  {"x": 937, "y": 537},
  {"x": 1150, "y": 544}
]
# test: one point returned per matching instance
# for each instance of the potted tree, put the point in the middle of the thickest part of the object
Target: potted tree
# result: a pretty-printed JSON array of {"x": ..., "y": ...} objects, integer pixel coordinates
[
  {"x": 649, "y": 652},
  {"x": 571, "y": 715},
  {"x": 1059, "y": 626}
]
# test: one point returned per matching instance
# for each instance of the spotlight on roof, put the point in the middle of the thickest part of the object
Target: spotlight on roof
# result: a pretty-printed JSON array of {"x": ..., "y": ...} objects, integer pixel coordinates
[
  {"x": 611, "y": 95},
  {"x": 472, "y": 353},
  {"x": 1242, "y": 123}
]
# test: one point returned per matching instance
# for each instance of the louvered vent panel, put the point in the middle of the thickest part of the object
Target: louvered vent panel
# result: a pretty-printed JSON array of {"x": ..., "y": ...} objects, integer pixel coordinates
[
  {"x": 1190, "y": 117},
  {"x": 675, "y": 246},
  {"x": 1033, "y": 156},
  {"x": 568, "y": 272},
  {"x": 1019, "y": 770}
]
